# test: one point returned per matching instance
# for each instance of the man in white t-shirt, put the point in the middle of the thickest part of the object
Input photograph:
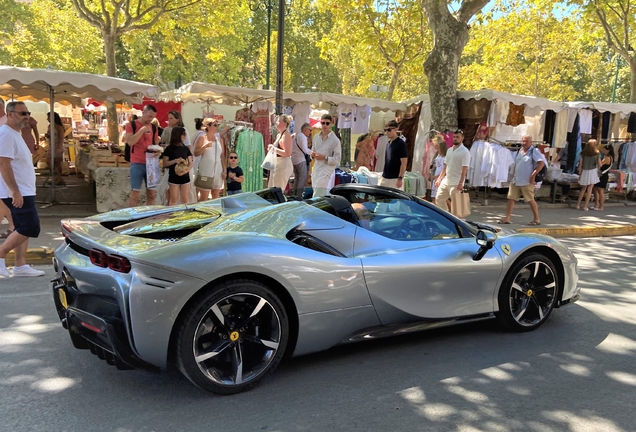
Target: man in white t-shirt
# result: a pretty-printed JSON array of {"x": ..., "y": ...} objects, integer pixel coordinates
[
  {"x": 4, "y": 210},
  {"x": 453, "y": 174},
  {"x": 17, "y": 190}
]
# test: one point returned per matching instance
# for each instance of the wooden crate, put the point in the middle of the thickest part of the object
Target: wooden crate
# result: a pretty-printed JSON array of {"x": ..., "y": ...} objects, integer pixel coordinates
[
  {"x": 109, "y": 161},
  {"x": 100, "y": 152}
]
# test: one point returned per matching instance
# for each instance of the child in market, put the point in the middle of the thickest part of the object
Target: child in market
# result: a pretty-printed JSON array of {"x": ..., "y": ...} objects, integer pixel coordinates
[{"x": 234, "y": 175}]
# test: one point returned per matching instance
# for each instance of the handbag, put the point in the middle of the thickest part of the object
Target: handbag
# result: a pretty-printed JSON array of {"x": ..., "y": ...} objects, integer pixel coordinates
[
  {"x": 460, "y": 204},
  {"x": 204, "y": 182},
  {"x": 307, "y": 157},
  {"x": 270, "y": 160}
]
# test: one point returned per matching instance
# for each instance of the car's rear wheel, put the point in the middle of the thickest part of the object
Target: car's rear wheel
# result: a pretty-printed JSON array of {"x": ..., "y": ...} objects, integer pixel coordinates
[
  {"x": 528, "y": 293},
  {"x": 232, "y": 337}
]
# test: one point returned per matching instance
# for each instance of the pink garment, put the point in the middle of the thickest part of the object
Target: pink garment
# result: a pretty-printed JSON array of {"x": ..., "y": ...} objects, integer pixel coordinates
[
  {"x": 427, "y": 159},
  {"x": 262, "y": 124},
  {"x": 449, "y": 139}
]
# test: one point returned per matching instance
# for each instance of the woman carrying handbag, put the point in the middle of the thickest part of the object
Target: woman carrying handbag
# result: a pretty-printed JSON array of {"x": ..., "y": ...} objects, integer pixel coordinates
[
  {"x": 210, "y": 172},
  {"x": 283, "y": 149}
]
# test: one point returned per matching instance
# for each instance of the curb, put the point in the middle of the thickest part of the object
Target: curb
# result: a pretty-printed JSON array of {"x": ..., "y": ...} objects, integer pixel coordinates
[
  {"x": 589, "y": 231},
  {"x": 34, "y": 256}
]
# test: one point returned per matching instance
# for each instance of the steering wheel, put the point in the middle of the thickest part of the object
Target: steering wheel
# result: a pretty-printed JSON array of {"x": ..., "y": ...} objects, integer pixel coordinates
[{"x": 403, "y": 230}]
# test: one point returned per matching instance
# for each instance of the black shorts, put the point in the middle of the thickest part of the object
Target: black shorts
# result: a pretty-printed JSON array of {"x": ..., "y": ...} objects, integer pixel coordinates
[{"x": 25, "y": 219}]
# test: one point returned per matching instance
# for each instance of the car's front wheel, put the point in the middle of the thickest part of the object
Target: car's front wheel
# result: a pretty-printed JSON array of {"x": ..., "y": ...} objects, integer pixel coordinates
[
  {"x": 528, "y": 293},
  {"x": 232, "y": 337}
]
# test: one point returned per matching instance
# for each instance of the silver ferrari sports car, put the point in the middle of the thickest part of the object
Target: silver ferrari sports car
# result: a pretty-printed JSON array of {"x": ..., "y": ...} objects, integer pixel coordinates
[{"x": 224, "y": 289}]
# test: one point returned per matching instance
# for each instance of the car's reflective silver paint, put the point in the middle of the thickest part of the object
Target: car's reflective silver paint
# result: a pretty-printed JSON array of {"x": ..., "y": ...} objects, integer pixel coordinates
[{"x": 377, "y": 281}]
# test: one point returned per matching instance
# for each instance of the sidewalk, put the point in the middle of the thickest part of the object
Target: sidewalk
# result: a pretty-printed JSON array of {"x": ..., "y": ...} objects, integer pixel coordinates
[{"x": 557, "y": 220}]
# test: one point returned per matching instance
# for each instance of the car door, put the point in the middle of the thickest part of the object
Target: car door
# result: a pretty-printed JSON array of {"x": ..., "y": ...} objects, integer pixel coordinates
[{"x": 413, "y": 277}]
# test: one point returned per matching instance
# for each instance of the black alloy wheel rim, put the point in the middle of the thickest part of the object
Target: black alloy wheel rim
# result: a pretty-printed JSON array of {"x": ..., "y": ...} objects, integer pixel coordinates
[
  {"x": 236, "y": 339},
  {"x": 533, "y": 293}
]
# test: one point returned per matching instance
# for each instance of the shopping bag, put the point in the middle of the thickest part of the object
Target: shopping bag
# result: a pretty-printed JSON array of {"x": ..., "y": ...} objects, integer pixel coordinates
[
  {"x": 554, "y": 173},
  {"x": 153, "y": 172},
  {"x": 270, "y": 160},
  {"x": 460, "y": 204}
]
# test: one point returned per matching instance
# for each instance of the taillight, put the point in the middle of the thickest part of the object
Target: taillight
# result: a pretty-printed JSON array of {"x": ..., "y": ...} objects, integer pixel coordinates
[
  {"x": 114, "y": 262},
  {"x": 99, "y": 258},
  {"x": 119, "y": 264}
]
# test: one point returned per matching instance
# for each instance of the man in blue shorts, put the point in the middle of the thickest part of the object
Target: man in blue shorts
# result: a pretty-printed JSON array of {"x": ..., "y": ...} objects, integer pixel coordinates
[{"x": 17, "y": 190}]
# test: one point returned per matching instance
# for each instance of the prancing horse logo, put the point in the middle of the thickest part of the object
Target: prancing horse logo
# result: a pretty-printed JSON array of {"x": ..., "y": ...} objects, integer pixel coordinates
[{"x": 506, "y": 249}]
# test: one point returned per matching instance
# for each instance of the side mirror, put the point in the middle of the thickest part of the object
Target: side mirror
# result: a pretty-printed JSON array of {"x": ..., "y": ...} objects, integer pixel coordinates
[{"x": 486, "y": 241}]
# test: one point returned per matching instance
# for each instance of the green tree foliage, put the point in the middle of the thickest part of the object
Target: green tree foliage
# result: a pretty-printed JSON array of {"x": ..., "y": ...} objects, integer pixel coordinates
[
  {"x": 617, "y": 18},
  {"x": 48, "y": 33},
  {"x": 519, "y": 47},
  {"x": 307, "y": 28},
  {"x": 382, "y": 42},
  {"x": 198, "y": 43}
]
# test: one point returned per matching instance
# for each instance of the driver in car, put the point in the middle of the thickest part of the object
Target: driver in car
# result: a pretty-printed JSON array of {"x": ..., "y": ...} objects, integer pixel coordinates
[{"x": 363, "y": 213}]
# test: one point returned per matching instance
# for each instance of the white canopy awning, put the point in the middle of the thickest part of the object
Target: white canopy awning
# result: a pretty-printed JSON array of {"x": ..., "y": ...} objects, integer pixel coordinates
[
  {"x": 375, "y": 104},
  {"x": 530, "y": 101},
  {"x": 226, "y": 95},
  {"x": 37, "y": 83},
  {"x": 24, "y": 93},
  {"x": 623, "y": 108}
]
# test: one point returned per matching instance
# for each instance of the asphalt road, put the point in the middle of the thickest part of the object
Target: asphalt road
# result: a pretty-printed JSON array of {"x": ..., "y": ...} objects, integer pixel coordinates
[{"x": 576, "y": 373}]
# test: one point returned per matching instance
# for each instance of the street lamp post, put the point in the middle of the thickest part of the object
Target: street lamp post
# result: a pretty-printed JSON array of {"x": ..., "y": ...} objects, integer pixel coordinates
[{"x": 279, "y": 56}]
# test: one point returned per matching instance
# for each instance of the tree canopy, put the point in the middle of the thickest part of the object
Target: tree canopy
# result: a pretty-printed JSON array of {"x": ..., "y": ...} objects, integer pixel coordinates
[{"x": 537, "y": 47}]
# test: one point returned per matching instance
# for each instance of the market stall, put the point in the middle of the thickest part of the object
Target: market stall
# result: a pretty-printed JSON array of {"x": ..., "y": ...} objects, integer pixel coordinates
[{"x": 64, "y": 86}]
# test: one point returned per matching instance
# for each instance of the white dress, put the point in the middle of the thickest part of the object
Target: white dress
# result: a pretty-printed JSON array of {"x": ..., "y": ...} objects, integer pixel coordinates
[{"x": 210, "y": 164}]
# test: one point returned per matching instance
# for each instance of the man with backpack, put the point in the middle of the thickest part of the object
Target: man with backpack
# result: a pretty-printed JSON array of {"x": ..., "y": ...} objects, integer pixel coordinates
[
  {"x": 140, "y": 134},
  {"x": 528, "y": 163}
]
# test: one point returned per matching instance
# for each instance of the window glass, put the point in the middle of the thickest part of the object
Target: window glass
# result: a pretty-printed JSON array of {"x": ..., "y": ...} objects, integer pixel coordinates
[{"x": 403, "y": 219}]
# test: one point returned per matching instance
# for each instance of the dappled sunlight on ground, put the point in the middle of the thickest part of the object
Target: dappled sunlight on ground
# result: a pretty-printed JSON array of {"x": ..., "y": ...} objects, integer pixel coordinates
[{"x": 24, "y": 336}]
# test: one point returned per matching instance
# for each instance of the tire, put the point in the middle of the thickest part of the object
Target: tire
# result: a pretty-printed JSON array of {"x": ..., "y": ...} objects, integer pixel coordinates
[
  {"x": 232, "y": 337},
  {"x": 528, "y": 293}
]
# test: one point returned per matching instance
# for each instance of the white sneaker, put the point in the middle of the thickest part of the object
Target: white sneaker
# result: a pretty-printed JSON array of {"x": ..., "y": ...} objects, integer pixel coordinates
[
  {"x": 26, "y": 271},
  {"x": 4, "y": 273}
]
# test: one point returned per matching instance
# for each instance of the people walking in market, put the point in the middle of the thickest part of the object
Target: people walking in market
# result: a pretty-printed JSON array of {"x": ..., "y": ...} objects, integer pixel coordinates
[
  {"x": 5, "y": 213},
  {"x": 454, "y": 172},
  {"x": 176, "y": 155},
  {"x": 395, "y": 159},
  {"x": 17, "y": 191},
  {"x": 210, "y": 165},
  {"x": 139, "y": 141},
  {"x": 58, "y": 144},
  {"x": 607, "y": 159},
  {"x": 234, "y": 175},
  {"x": 438, "y": 163},
  {"x": 326, "y": 151},
  {"x": 589, "y": 164},
  {"x": 528, "y": 163},
  {"x": 283, "y": 148},
  {"x": 300, "y": 148}
]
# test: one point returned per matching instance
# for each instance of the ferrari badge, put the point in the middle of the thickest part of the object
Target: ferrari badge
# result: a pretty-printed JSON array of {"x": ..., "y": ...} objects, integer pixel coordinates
[{"x": 506, "y": 249}]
